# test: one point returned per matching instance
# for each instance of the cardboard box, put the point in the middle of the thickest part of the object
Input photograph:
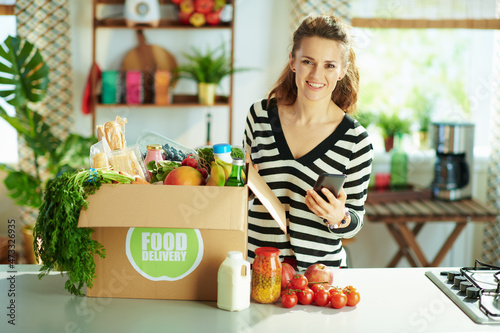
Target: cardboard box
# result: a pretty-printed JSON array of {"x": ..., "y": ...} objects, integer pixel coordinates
[{"x": 167, "y": 242}]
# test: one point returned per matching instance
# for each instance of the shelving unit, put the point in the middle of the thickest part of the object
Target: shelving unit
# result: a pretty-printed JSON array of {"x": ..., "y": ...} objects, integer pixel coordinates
[{"x": 178, "y": 101}]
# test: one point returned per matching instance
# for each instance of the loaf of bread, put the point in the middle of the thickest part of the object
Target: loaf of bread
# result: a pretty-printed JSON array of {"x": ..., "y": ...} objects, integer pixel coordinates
[{"x": 113, "y": 132}]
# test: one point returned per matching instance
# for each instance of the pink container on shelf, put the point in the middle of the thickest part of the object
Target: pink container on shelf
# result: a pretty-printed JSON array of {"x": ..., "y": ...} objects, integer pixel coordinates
[{"x": 134, "y": 87}]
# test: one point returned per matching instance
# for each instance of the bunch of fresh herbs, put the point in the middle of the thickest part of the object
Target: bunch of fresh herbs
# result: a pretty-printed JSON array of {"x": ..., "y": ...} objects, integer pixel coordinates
[{"x": 59, "y": 243}]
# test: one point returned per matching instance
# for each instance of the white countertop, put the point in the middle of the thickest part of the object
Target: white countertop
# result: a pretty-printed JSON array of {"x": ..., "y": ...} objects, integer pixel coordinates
[{"x": 392, "y": 300}]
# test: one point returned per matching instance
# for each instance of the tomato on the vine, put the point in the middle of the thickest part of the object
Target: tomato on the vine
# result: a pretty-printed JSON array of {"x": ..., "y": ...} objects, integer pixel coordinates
[
  {"x": 305, "y": 296},
  {"x": 299, "y": 281},
  {"x": 322, "y": 297},
  {"x": 334, "y": 290},
  {"x": 352, "y": 295},
  {"x": 289, "y": 299},
  {"x": 317, "y": 287},
  {"x": 338, "y": 299}
]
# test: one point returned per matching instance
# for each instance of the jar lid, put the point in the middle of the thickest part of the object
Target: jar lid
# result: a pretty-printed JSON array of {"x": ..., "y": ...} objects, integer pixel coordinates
[
  {"x": 221, "y": 148},
  {"x": 267, "y": 251},
  {"x": 154, "y": 146}
]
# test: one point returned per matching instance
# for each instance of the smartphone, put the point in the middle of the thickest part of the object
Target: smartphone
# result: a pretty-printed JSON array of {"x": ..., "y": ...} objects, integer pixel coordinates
[{"x": 333, "y": 182}]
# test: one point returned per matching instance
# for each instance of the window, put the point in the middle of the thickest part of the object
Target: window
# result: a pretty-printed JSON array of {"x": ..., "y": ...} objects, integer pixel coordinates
[
  {"x": 443, "y": 72},
  {"x": 405, "y": 69}
]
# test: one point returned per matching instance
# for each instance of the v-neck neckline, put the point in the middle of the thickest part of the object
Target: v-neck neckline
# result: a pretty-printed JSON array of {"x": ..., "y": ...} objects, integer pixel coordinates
[{"x": 315, "y": 153}]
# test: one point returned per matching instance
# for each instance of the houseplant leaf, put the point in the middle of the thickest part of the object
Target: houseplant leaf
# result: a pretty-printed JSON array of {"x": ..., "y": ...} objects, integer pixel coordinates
[
  {"x": 27, "y": 75},
  {"x": 22, "y": 187}
]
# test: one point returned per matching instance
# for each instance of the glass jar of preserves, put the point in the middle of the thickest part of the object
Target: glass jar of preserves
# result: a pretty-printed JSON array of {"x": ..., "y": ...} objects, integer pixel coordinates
[{"x": 266, "y": 275}]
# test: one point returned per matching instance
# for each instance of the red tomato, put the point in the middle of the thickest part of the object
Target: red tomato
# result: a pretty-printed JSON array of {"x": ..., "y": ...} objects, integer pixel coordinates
[
  {"x": 317, "y": 287},
  {"x": 339, "y": 300},
  {"x": 289, "y": 299},
  {"x": 321, "y": 298},
  {"x": 299, "y": 281},
  {"x": 352, "y": 295},
  {"x": 334, "y": 290},
  {"x": 305, "y": 296}
]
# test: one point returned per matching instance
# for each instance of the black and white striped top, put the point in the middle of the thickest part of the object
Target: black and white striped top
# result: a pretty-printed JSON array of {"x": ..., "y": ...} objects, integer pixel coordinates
[{"x": 347, "y": 150}]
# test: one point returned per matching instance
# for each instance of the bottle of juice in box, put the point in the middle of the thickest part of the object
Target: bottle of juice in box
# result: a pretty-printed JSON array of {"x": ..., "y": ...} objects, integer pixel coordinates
[
  {"x": 153, "y": 154},
  {"x": 236, "y": 176},
  {"x": 233, "y": 283}
]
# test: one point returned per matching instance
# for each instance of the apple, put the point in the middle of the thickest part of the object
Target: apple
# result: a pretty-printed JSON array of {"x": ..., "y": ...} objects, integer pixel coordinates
[
  {"x": 319, "y": 273},
  {"x": 184, "y": 18},
  {"x": 186, "y": 6},
  {"x": 204, "y": 6},
  {"x": 184, "y": 175},
  {"x": 213, "y": 18},
  {"x": 287, "y": 274},
  {"x": 197, "y": 19}
]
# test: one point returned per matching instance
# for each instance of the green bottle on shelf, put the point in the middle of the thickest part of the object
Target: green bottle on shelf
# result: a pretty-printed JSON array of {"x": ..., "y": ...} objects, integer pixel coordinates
[
  {"x": 236, "y": 178},
  {"x": 399, "y": 168}
]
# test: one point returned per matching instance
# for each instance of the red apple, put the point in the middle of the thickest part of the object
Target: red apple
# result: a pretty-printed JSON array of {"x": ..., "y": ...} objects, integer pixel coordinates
[
  {"x": 319, "y": 273},
  {"x": 177, "y": 1},
  {"x": 203, "y": 6},
  {"x": 184, "y": 18},
  {"x": 213, "y": 18},
  {"x": 287, "y": 274}
]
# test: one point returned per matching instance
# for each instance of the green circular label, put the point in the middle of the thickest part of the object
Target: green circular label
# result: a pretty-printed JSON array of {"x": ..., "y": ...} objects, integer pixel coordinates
[{"x": 164, "y": 254}]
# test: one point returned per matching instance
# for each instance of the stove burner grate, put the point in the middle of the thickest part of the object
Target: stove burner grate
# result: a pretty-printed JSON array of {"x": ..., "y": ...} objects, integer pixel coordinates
[{"x": 475, "y": 290}]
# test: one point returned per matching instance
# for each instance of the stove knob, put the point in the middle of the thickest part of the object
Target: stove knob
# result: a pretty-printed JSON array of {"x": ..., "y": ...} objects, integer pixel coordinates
[
  {"x": 464, "y": 285},
  {"x": 472, "y": 292},
  {"x": 451, "y": 275},
  {"x": 458, "y": 280}
]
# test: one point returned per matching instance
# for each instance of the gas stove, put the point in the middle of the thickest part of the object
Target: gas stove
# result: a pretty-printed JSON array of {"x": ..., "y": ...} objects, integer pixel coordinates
[{"x": 476, "y": 290}]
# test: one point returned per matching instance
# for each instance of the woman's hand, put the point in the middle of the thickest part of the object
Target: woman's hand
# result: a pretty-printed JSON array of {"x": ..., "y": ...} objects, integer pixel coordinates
[{"x": 332, "y": 210}]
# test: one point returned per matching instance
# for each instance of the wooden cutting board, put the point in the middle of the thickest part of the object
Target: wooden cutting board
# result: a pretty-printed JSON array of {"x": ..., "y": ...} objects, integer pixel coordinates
[{"x": 148, "y": 58}]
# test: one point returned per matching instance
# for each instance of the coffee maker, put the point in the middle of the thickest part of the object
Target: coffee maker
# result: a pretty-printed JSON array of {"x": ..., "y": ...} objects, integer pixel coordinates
[{"x": 454, "y": 144}]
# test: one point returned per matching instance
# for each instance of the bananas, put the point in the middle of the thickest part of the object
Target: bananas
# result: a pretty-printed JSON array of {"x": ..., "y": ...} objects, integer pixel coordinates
[
  {"x": 217, "y": 175},
  {"x": 220, "y": 172},
  {"x": 226, "y": 166}
]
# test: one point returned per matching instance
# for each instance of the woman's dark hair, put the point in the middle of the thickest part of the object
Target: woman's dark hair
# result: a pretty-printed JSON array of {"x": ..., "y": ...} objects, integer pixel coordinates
[{"x": 345, "y": 94}]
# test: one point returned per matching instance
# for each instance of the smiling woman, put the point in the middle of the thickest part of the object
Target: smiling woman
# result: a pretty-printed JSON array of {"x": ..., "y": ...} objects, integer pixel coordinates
[{"x": 305, "y": 129}]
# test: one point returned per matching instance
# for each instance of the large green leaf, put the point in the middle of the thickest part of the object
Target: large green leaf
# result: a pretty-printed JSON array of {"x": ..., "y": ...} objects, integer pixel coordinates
[
  {"x": 27, "y": 74},
  {"x": 23, "y": 188}
]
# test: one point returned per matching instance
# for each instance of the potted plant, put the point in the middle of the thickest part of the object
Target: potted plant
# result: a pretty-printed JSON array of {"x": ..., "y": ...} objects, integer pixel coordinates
[
  {"x": 392, "y": 125},
  {"x": 207, "y": 69},
  {"x": 422, "y": 104},
  {"x": 28, "y": 81}
]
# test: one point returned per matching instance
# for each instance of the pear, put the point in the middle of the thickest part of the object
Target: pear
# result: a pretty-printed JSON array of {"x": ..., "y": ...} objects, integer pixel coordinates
[{"x": 217, "y": 176}]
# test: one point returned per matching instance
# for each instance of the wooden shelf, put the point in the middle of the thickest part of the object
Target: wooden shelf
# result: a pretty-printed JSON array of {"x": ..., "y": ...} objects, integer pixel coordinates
[
  {"x": 119, "y": 23},
  {"x": 179, "y": 101}
]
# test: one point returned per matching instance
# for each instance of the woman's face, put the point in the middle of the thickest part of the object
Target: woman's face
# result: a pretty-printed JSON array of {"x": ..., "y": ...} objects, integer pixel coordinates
[{"x": 318, "y": 66}]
